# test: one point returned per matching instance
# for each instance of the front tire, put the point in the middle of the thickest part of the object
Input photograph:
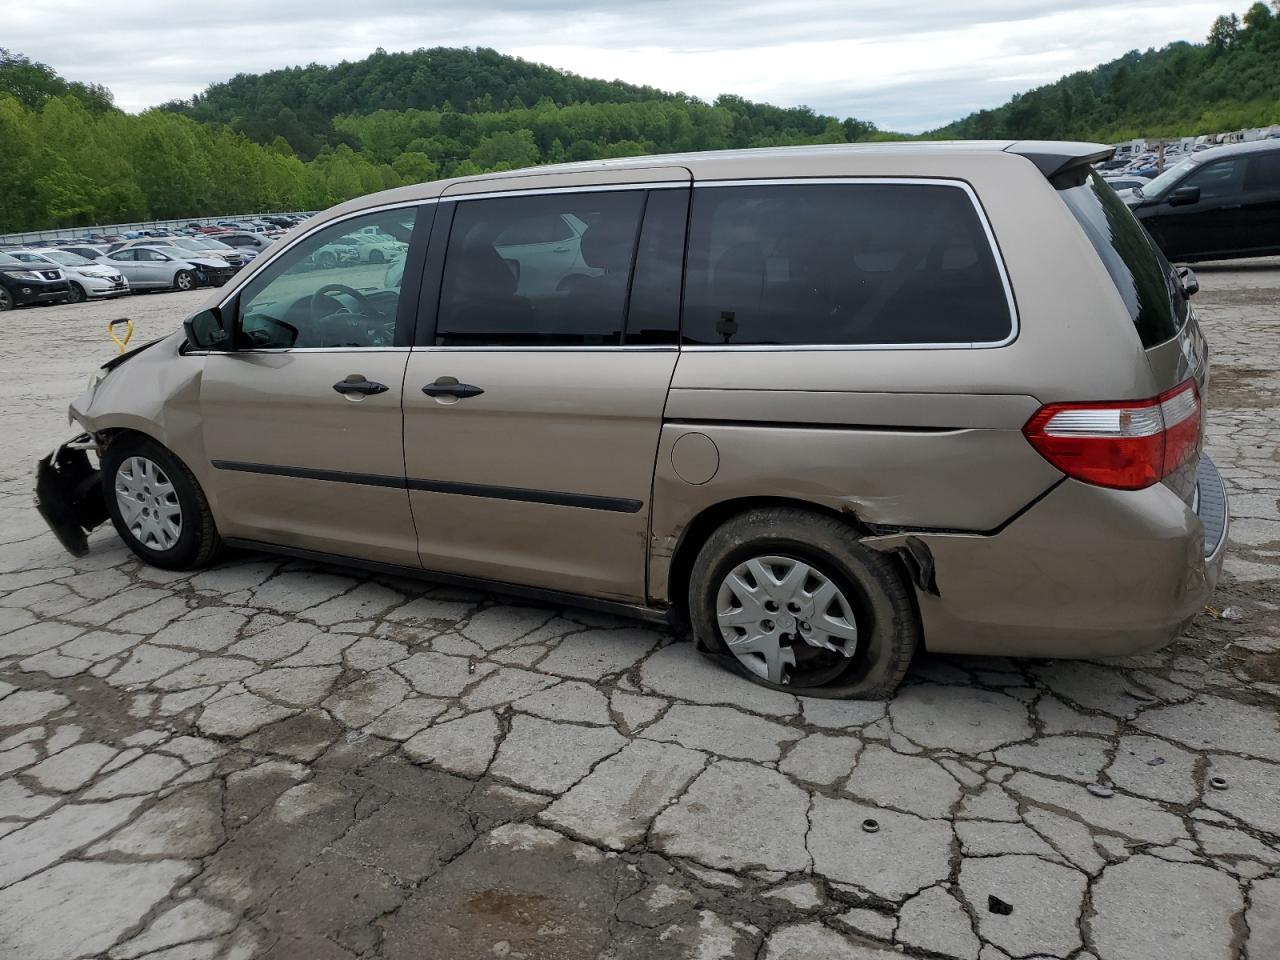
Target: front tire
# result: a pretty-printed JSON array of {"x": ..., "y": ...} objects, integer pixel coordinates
[
  {"x": 77, "y": 294},
  {"x": 184, "y": 280},
  {"x": 792, "y": 600},
  {"x": 6, "y": 300},
  {"x": 157, "y": 505},
  {"x": 375, "y": 256}
]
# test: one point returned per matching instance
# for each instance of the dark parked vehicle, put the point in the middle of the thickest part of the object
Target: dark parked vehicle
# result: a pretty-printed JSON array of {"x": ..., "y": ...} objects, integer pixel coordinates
[
  {"x": 25, "y": 283},
  {"x": 1215, "y": 205}
]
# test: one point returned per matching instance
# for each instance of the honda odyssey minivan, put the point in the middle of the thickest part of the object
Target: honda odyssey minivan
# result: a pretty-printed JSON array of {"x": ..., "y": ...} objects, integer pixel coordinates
[{"x": 825, "y": 405}]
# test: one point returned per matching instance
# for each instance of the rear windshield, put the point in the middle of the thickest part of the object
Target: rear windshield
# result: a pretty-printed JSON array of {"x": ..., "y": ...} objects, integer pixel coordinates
[{"x": 1146, "y": 282}]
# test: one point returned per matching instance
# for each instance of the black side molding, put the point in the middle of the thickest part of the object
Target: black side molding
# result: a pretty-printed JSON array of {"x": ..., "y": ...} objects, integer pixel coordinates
[{"x": 586, "y": 501}]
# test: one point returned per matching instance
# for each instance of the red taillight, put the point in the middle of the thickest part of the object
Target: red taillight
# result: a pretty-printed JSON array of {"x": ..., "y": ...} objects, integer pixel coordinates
[{"x": 1126, "y": 444}]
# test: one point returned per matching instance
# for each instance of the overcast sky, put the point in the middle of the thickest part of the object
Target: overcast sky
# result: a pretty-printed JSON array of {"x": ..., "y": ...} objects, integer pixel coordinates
[{"x": 906, "y": 65}]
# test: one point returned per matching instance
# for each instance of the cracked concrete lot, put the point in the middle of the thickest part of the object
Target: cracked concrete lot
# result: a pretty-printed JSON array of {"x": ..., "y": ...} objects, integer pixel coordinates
[{"x": 270, "y": 759}]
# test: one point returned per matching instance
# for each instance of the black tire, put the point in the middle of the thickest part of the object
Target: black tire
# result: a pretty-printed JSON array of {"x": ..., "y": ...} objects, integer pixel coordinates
[
  {"x": 875, "y": 586},
  {"x": 375, "y": 256},
  {"x": 326, "y": 260},
  {"x": 198, "y": 542},
  {"x": 77, "y": 294},
  {"x": 6, "y": 299},
  {"x": 184, "y": 280}
]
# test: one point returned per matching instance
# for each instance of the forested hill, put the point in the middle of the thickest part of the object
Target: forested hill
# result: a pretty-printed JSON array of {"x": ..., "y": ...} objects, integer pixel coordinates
[
  {"x": 1229, "y": 82},
  {"x": 299, "y": 103}
]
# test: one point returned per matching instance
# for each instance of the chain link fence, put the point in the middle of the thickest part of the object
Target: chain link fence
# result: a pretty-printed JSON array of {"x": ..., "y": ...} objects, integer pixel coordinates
[{"x": 64, "y": 234}]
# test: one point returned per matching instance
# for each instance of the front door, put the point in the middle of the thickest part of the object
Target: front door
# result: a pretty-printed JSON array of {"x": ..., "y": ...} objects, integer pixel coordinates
[
  {"x": 534, "y": 404},
  {"x": 1207, "y": 226},
  {"x": 302, "y": 422}
]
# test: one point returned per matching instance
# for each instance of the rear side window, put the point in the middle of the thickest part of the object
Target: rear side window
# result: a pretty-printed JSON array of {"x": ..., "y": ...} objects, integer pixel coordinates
[
  {"x": 1145, "y": 280},
  {"x": 1263, "y": 174},
  {"x": 848, "y": 263},
  {"x": 505, "y": 283}
]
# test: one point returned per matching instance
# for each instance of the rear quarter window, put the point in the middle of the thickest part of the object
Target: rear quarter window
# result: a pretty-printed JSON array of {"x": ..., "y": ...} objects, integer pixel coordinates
[
  {"x": 1143, "y": 277},
  {"x": 862, "y": 263}
]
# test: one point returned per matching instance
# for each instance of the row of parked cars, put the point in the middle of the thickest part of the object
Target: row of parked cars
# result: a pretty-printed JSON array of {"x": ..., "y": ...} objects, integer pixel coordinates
[{"x": 105, "y": 266}]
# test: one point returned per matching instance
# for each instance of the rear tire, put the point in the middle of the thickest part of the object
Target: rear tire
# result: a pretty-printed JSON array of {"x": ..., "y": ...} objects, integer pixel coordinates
[
  {"x": 6, "y": 299},
  {"x": 197, "y": 541},
  {"x": 866, "y": 587},
  {"x": 184, "y": 280},
  {"x": 375, "y": 256}
]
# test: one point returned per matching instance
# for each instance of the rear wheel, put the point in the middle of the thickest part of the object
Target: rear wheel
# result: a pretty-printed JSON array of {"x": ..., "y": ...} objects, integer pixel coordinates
[
  {"x": 77, "y": 294},
  {"x": 792, "y": 600},
  {"x": 326, "y": 260},
  {"x": 156, "y": 504},
  {"x": 375, "y": 256},
  {"x": 184, "y": 280},
  {"x": 6, "y": 299}
]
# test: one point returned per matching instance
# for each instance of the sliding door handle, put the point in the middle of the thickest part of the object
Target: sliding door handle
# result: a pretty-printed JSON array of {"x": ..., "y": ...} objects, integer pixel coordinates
[
  {"x": 357, "y": 384},
  {"x": 449, "y": 387}
]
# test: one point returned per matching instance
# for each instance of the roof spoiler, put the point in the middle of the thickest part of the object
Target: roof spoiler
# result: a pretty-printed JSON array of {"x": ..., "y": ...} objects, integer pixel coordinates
[{"x": 1056, "y": 157}]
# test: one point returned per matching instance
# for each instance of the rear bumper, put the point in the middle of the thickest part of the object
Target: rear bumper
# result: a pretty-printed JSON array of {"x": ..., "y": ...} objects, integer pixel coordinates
[{"x": 1085, "y": 572}]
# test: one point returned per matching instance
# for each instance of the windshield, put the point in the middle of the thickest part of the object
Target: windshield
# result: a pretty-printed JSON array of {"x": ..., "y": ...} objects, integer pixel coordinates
[
  {"x": 212, "y": 244},
  {"x": 1159, "y": 186},
  {"x": 27, "y": 257},
  {"x": 69, "y": 259},
  {"x": 8, "y": 261}
]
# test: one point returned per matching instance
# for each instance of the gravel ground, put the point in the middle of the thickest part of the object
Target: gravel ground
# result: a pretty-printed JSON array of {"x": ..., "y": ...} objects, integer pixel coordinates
[{"x": 272, "y": 759}]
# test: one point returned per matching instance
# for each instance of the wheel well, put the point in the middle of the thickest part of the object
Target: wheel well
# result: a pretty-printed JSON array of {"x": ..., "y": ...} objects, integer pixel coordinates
[{"x": 712, "y": 518}]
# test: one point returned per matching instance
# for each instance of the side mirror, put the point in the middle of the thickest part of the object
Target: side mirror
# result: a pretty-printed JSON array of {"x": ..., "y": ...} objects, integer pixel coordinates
[
  {"x": 1190, "y": 283},
  {"x": 1184, "y": 196},
  {"x": 205, "y": 330}
]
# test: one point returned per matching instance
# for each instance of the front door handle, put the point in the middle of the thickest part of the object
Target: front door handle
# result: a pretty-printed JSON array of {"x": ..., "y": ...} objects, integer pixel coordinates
[
  {"x": 449, "y": 387},
  {"x": 356, "y": 383}
]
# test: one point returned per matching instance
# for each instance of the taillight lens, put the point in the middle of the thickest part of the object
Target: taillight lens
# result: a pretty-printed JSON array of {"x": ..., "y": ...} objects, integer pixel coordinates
[{"x": 1127, "y": 445}]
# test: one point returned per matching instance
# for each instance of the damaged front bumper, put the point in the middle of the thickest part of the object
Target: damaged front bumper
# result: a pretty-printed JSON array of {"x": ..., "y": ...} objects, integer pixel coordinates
[{"x": 69, "y": 493}]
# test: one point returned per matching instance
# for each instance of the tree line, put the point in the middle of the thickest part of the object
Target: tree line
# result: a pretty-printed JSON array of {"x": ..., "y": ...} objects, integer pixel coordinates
[{"x": 1231, "y": 81}]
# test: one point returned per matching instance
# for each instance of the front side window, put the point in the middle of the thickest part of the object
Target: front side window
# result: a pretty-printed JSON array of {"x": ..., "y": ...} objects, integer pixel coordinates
[
  {"x": 127, "y": 255},
  {"x": 548, "y": 270},
  {"x": 1225, "y": 178},
  {"x": 312, "y": 296},
  {"x": 847, "y": 263}
]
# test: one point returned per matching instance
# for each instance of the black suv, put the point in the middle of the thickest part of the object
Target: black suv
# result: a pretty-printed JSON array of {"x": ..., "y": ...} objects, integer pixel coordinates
[
  {"x": 1215, "y": 205},
  {"x": 23, "y": 283}
]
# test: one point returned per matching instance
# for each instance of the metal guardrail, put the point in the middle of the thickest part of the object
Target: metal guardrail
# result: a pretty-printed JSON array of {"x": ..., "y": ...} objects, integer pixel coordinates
[{"x": 64, "y": 234}]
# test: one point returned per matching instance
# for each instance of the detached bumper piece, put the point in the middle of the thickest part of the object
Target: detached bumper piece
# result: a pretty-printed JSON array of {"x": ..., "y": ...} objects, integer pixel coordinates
[{"x": 69, "y": 494}]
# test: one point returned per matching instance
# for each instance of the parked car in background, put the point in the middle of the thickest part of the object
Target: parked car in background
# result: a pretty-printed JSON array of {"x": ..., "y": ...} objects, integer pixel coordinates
[
  {"x": 88, "y": 279},
  {"x": 22, "y": 284},
  {"x": 165, "y": 268},
  {"x": 1215, "y": 205},
  {"x": 335, "y": 254},
  {"x": 257, "y": 242},
  {"x": 1121, "y": 183},
  {"x": 372, "y": 249},
  {"x": 88, "y": 251},
  {"x": 723, "y": 423},
  {"x": 189, "y": 247}
]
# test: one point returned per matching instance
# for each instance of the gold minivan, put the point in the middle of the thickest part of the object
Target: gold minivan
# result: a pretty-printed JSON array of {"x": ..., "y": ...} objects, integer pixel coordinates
[{"x": 826, "y": 405}]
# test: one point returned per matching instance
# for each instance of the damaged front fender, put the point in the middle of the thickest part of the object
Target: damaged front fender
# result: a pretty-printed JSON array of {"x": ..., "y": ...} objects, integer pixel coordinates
[{"x": 69, "y": 493}]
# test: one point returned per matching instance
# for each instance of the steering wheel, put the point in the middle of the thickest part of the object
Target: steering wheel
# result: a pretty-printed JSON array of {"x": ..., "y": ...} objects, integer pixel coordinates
[{"x": 344, "y": 326}]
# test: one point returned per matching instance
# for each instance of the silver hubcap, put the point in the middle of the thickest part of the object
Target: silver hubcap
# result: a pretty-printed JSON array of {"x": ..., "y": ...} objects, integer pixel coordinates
[
  {"x": 148, "y": 503},
  {"x": 768, "y": 604}
]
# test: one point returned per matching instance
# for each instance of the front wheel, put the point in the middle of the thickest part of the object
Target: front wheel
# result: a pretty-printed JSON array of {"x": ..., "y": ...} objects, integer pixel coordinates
[
  {"x": 77, "y": 294},
  {"x": 792, "y": 600},
  {"x": 375, "y": 256},
  {"x": 156, "y": 504},
  {"x": 184, "y": 280},
  {"x": 6, "y": 299}
]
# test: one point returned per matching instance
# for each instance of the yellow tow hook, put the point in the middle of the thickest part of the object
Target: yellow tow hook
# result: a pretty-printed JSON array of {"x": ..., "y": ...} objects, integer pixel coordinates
[{"x": 111, "y": 331}]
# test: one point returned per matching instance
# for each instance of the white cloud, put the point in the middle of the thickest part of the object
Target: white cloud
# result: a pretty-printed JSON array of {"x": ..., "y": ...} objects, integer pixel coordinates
[{"x": 903, "y": 64}]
